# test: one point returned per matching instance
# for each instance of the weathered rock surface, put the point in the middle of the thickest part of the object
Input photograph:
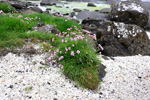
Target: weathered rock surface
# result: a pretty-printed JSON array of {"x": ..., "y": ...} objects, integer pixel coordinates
[
  {"x": 77, "y": 10},
  {"x": 49, "y": 2},
  {"x": 47, "y": 29},
  {"x": 92, "y": 15},
  {"x": 130, "y": 13},
  {"x": 119, "y": 39},
  {"x": 91, "y": 4}
]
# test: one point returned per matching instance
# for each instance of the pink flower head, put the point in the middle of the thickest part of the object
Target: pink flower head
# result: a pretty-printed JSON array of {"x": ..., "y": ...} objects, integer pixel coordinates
[
  {"x": 57, "y": 50},
  {"x": 56, "y": 34},
  {"x": 54, "y": 53},
  {"x": 100, "y": 47},
  {"x": 94, "y": 36},
  {"x": 62, "y": 40},
  {"x": 51, "y": 46},
  {"x": 67, "y": 35},
  {"x": 20, "y": 16},
  {"x": 60, "y": 51},
  {"x": 65, "y": 20},
  {"x": 60, "y": 58},
  {"x": 75, "y": 39},
  {"x": 66, "y": 41},
  {"x": 68, "y": 29},
  {"x": 71, "y": 39},
  {"x": 65, "y": 52},
  {"x": 73, "y": 33},
  {"x": 50, "y": 63},
  {"x": 73, "y": 45},
  {"x": 66, "y": 49},
  {"x": 62, "y": 67},
  {"x": 78, "y": 51},
  {"x": 69, "y": 48},
  {"x": 72, "y": 53},
  {"x": 50, "y": 50},
  {"x": 53, "y": 39}
]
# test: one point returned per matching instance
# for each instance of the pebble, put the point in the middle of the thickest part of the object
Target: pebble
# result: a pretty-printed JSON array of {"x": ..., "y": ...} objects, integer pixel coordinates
[{"x": 127, "y": 78}]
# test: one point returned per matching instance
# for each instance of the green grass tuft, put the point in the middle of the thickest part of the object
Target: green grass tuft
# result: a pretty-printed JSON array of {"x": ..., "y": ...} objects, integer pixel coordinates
[{"x": 6, "y": 8}]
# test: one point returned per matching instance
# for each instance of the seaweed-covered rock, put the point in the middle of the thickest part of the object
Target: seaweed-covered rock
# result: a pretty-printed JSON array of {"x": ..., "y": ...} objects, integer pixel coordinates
[
  {"x": 130, "y": 12},
  {"x": 119, "y": 39}
]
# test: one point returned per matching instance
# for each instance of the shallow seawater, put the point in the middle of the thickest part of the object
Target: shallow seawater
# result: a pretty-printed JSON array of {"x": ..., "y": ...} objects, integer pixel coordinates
[{"x": 72, "y": 5}]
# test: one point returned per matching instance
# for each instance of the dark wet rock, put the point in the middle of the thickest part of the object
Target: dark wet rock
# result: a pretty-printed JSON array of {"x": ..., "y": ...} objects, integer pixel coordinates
[
  {"x": 29, "y": 11},
  {"x": 66, "y": 14},
  {"x": 91, "y": 5},
  {"x": 48, "y": 8},
  {"x": 101, "y": 71},
  {"x": 105, "y": 10},
  {"x": 91, "y": 15},
  {"x": 47, "y": 29},
  {"x": 119, "y": 39},
  {"x": 58, "y": 6},
  {"x": 36, "y": 9},
  {"x": 49, "y": 2},
  {"x": 17, "y": 6},
  {"x": 130, "y": 13},
  {"x": 77, "y": 10},
  {"x": 72, "y": 14}
]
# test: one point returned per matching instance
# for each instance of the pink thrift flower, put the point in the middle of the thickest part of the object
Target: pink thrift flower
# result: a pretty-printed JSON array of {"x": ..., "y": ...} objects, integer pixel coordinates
[
  {"x": 78, "y": 52},
  {"x": 66, "y": 41},
  {"x": 75, "y": 39},
  {"x": 67, "y": 35},
  {"x": 65, "y": 20},
  {"x": 66, "y": 49},
  {"x": 100, "y": 47},
  {"x": 60, "y": 58},
  {"x": 20, "y": 16},
  {"x": 51, "y": 46},
  {"x": 62, "y": 67},
  {"x": 50, "y": 63},
  {"x": 50, "y": 50},
  {"x": 59, "y": 65},
  {"x": 72, "y": 53},
  {"x": 54, "y": 53},
  {"x": 73, "y": 33},
  {"x": 68, "y": 29},
  {"x": 69, "y": 48},
  {"x": 60, "y": 52},
  {"x": 53, "y": 39},
  {"x": 94, "y": 36},
  {"x": 56, "y": 34},
  {"x": 62, "y": 40},
  {"x": 57, "y": 50},
  {"x": 65, "y": 52},
  {"x": 73, "y": 45},
  {"x": 71, "y": 39}
]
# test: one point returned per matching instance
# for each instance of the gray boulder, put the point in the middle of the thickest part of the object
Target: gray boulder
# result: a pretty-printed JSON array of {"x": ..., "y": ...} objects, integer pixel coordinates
[
  {"x": 92, "y": 15},
  {"x": 49, "y": 2},
  {"x": 47, "y": 29},
  {"x": 130, "y": 13},
  {"x": 91, "y": 5},
  {"x": 119, "y": 39}
]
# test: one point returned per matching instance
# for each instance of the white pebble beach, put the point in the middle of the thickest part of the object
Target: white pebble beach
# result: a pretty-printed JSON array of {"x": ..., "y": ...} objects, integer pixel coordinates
[{"x": 25, "y": 78}]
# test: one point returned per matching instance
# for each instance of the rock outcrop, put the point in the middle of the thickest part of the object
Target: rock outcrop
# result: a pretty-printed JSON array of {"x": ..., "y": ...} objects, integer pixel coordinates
[{"x": 130, "y": 13}]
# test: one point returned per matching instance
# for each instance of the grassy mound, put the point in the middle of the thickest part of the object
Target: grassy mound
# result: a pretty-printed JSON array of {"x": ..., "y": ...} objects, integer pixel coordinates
[
  {"x": 6, "y": 8},
  {"x": 71, "y": 48}
]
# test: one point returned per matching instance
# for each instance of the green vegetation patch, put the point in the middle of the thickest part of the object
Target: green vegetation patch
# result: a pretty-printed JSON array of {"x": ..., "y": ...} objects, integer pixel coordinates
[
  {"x": 6, "y": 8},
  {"x": 70, "y": 48}
]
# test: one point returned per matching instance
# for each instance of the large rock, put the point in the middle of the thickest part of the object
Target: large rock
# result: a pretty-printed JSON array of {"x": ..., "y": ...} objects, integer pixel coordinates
[
  {"x": 91, "y": 4},
  {"x": 92, "y": 15},
  {"x": 49, "y": 2},
  {"x": 47, "y": 29},
  {"x": 119, "y": 39},
  {"x": 130, "y": 13}
]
